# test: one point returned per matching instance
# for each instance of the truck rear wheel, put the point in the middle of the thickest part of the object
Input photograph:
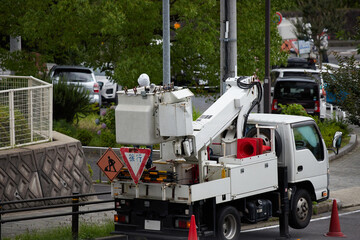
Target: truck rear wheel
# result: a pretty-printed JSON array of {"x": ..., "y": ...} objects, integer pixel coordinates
[
  {"x": 301, "y": 211},
  {"x": 228, "y": 224}
]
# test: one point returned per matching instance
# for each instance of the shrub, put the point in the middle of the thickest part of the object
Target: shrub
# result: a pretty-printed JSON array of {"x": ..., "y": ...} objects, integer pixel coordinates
[
  {"x": 108, "y": 118},
  {"x": 107, "y": 139},
  {"x": 70, "y": 101},
  {"x": 84, "y": 136},
  {"x": 293, "y": 109},
  {"x": 64, "y": 127},
  {"x": 329, "y": 127},
  {"x": 22, "y": 131}
]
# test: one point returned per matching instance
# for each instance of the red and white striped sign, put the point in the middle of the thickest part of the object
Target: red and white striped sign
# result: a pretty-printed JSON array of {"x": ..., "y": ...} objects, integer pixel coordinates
[{"x": 135, "y": 160}]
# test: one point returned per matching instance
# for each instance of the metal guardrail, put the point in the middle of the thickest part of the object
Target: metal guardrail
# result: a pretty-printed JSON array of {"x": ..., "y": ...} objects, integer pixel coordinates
[
  {"x": 75, "y": 204},
  {"x": 25, "y": 111}
]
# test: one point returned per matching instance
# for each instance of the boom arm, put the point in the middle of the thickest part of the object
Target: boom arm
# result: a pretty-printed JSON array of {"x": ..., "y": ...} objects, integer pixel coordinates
[{"x": 236, "y": 102}]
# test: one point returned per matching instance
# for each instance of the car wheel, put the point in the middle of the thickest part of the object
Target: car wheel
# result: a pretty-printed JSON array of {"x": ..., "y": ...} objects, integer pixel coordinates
[
  {"x": 228, "y": 225},
  {"x": 301, "y": 211}
]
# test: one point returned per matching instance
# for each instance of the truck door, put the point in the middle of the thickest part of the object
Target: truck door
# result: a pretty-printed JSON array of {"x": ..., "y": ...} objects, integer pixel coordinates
[{"x": 311, "y": 162}]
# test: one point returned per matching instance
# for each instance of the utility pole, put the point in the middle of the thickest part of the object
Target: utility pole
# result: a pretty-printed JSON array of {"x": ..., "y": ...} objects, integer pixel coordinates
[
  {"x": 267, "y": 80},
  {"x": 15, "y": 45},
  {"x": 228, "y": 42},
  {"x": 166, "y": 42}
]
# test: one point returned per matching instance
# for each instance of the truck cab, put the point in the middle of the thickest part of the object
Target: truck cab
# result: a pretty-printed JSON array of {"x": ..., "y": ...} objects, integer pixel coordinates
[{"x": 301, "y": 148}]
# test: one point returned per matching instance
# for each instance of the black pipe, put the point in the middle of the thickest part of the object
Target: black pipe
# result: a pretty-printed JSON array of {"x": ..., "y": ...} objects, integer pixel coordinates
[{"x": 75, "y": 217}]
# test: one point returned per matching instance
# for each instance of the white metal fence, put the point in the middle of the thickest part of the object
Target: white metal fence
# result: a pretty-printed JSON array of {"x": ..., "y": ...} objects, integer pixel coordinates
[{"x": 25, "y": 111}]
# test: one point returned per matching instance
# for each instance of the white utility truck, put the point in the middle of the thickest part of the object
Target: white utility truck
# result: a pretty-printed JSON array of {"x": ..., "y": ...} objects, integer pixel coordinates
[{"x": 222, "y": 168}]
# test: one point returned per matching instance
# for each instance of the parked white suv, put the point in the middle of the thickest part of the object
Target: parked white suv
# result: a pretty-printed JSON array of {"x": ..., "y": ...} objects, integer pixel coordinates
[{"x": 107, "y": 86}]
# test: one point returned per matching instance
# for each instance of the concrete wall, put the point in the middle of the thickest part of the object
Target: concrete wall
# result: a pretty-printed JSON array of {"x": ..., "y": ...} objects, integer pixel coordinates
[{"x": 57, "y": 168}]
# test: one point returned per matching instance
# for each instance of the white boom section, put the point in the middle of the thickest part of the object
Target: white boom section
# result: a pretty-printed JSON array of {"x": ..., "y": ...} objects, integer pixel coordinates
[{"x": 235, "y": 102}]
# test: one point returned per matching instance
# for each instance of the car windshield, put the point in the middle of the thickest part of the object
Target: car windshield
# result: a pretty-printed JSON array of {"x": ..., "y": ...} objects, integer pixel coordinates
[
  {"x": 296, "y": 90},
  {"x": 74, "y": 75}
]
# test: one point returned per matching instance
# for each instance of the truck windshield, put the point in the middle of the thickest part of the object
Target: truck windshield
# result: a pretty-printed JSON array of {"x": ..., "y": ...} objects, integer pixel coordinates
[{"x": 306, "y": 137}]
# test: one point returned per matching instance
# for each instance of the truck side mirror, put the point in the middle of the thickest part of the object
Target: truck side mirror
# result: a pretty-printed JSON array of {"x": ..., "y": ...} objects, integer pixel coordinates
[{"x": 336, "y": 143}]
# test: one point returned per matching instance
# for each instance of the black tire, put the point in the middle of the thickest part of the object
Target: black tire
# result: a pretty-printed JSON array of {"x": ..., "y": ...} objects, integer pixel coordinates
[
  {"x": 265, "y": 135},
  {"x": 228, "y": 223},
  {"x": 301, "y": 210}
]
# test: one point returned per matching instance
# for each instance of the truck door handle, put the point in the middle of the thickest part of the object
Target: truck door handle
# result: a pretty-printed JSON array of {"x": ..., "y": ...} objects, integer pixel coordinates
[{"x": 300, "y": 168}]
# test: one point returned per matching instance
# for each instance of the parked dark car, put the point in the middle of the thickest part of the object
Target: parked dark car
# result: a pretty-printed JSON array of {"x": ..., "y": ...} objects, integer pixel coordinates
[
  {"x": 78, "y": 75},
  {"x": 299, "y": 90}
]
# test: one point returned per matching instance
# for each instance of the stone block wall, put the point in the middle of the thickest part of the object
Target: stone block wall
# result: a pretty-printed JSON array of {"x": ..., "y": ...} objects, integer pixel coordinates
[{"x": 57, "y": 168}]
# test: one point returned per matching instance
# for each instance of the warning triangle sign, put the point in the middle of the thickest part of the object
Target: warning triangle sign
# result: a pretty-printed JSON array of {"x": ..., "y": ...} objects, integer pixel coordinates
[
  {"x": 135, "y": 160},
  {"x": 110, "y": 164}
]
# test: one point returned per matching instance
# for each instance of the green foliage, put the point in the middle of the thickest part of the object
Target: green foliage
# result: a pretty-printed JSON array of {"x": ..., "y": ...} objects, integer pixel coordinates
[
  {"x": 92, "y": 130},
  {"x": 107, "y": 139},
  {"x": 196, "y": 114},
  {"x": 22, "y": 131},
  {"x": 108, "y": 117},
  {"x": 293, "y": 109},
  {"x": 344, "y": 84},
  {"x": 91, "y": 172},
  {"x": 84, "y": 136},
  {"x": 64, "y": 127},
  {"x": 70, "y": 101},
  {"x": 329, "y": 127},
  {"x": 124, "y": 36},
  {"x": 23, "y": 63}
]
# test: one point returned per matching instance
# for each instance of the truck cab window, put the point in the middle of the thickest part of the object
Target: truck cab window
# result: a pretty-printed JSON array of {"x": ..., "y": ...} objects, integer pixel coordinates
[{"x": 307, "y": 137}]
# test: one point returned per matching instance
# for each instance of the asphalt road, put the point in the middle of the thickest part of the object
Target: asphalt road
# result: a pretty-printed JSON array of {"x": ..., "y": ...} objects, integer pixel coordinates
[
  {"x": 349, "y": 224},
  {"x": 344, "y": 172}
]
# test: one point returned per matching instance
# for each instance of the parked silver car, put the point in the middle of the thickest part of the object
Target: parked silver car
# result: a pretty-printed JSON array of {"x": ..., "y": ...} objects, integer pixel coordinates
[{"x": 78, "y": 75}]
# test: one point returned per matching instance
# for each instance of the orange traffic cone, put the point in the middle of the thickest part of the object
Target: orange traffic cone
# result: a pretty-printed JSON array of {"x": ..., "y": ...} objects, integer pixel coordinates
[
  {"x": 334, "y": 229},
  {"x": 192, "y": 231}
]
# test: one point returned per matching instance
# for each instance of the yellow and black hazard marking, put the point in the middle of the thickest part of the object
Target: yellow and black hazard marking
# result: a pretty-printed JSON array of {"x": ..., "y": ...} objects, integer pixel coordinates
[{"x": 153, "y": 176}]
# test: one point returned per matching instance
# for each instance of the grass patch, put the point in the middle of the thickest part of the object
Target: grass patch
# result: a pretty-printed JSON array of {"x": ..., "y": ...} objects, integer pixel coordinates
[
  {"x": 86, "y": 231},
  {"x": 88, "y": 122}
]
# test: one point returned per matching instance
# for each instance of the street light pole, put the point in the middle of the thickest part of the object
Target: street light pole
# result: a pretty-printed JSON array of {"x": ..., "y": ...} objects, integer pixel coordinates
[
  {"x": 166, "y": 42},
  {"x": 228, "y": 42},
  {"x": 267, "y": 80}
]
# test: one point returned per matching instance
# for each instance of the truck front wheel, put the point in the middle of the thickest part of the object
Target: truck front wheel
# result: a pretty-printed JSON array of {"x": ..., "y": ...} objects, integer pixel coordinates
[
  {"x": 228, "y": 223},
  {"x": 301, "y": 211}
]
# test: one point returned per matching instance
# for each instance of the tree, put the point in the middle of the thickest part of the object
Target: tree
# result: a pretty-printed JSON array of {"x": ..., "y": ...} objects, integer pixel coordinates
[
  {"x": 125, "y": 36},
  {"x": 344, "y": 84},
  {"x": 251, "y": 37},
  {"x": 321, "y": 14}
]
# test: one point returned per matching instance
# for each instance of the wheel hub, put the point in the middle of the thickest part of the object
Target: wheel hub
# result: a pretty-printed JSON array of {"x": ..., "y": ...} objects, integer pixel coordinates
[
  {"x": 229, "y": 227},
  {"x": 302, "y": 208}
]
